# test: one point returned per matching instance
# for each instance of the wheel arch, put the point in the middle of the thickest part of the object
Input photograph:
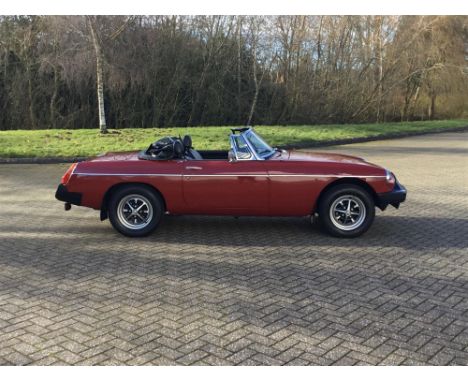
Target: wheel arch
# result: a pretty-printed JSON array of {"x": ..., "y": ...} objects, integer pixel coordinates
[
  {"x": 113, "y": 188},
  {"x": 343, "y": 181}
]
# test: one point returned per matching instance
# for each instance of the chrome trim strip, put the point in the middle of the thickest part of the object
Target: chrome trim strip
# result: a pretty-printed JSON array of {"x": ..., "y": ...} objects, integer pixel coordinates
[
  {"x": 329, "y": 175},
  {"x": 236, "y": 175},
  {"x": 114, "y": 174}
]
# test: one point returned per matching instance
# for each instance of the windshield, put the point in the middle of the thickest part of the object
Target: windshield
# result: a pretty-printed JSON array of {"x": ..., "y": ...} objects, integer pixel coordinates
[
  {"x": 259, "y": 145},
  {"x": 242, "y": 149}
]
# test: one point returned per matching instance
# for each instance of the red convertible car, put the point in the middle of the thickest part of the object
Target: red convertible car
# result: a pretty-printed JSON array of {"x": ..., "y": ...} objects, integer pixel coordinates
[{"x": 135, "y": 189}]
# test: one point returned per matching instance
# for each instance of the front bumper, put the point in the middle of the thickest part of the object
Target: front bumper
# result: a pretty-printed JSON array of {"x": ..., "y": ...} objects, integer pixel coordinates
[
  {"x": 394, "y": 197},
  {"x": 64, "y": 195}
]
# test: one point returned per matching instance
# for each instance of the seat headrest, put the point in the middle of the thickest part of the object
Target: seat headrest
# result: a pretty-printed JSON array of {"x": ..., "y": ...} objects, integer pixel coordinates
[
  {"x": 178, "y": 149},
  {"x": 187, "y": 142}
]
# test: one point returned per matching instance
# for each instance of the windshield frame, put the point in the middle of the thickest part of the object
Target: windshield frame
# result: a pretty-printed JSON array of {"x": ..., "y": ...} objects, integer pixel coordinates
[
  {"x": 253, "y": 142},
  {"x": 259, "y": 154},
  {"x": 238, "y": 151}
]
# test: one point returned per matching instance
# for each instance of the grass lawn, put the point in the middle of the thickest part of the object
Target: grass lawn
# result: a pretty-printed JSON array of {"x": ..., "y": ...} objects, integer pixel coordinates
[{"x": 89, "y": 142}]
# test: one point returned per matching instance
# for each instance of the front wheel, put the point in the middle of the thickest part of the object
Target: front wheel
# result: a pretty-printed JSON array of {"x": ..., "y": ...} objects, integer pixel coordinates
[
  {"x": 135, "y": 210},
  {"x": 346, "y": 211}
]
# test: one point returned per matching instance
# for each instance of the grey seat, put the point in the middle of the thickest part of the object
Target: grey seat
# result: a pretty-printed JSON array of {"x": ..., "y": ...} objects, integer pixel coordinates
[
  {"x": 190, "y": 153},
  {"x": 194, "y": 154}
]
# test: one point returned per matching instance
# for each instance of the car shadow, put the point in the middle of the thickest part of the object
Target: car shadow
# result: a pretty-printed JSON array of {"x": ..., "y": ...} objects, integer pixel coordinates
[
  {"x": 409, "y": 232},
  {"x": 406, "y": 232}
]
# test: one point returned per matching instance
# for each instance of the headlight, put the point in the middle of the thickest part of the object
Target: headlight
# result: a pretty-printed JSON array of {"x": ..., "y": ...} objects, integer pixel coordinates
[{"x": 389, "y": 176}]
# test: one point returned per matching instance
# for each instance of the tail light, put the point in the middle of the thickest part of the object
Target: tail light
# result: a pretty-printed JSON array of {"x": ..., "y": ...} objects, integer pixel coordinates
[{"x": 68, "y": 174}]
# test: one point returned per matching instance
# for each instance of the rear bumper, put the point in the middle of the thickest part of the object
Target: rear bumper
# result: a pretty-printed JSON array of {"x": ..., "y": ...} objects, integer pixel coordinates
[
  {"x": 64, "y": 195},
  {"x": 394, "y": 197}
]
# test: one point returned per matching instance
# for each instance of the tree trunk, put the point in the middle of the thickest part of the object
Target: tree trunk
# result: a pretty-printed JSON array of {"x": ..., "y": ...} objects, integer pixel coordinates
[
  {"x": 53, "y": 100},
  {"x": 99, "y": 78},
  {"x": 380, "y": 67},
  {"x": 319, "y": 53},
  {"x": 432, "y": 108},
  {"x": 412, "y": 104},
  {"x": 195, "y": 113},
  {"x": 239, "y": 80},
  {"x": 193, "y": 119},
  {"x": 254, "y": 72},
  {"x": 254, "y": 100},
  {"x": 32, "y": 116}
]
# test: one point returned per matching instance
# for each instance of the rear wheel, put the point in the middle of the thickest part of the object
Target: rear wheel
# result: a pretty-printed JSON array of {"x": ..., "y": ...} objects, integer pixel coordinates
[
  {"x": 346, "y": 211},
  {"x": 135, "y": 210}
]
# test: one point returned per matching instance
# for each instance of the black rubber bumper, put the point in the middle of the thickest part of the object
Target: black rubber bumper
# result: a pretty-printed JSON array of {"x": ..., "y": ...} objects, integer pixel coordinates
[
  {"x": 64, "y": 195},
  {"x": 394, "y": 197}
]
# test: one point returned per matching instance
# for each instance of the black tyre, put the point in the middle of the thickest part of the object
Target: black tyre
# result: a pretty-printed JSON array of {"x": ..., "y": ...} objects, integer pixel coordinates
[
  {"x": 346, "y": 210},
  {"x": 135, "y": 210}
]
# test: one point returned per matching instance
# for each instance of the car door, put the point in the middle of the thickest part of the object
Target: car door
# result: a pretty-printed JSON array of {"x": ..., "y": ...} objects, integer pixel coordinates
[
  {"x": 293, "y": 189},
  {"x": 225, "y": 187}
]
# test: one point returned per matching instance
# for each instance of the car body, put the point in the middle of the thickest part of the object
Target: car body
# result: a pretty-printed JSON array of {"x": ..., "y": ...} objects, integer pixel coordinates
[{"x": 251, "y": 179}]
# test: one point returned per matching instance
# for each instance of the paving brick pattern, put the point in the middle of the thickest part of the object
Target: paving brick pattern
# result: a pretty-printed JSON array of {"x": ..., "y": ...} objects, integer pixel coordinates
[{"x": 252, "y": 291}]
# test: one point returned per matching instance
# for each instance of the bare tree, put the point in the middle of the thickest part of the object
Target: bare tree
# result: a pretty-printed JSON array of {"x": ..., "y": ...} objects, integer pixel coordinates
[
  {"x": 97, "y": 41},
  {"x": 99, "y": 72},
  {"x": 223, "y": 70}
]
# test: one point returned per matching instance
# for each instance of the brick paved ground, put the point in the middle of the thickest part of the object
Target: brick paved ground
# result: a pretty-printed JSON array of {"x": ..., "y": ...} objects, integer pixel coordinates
[{"x": 248, "y": 291}]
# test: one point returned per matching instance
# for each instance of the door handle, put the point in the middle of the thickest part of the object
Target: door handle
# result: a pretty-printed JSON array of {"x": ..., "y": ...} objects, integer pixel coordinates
[{"x": 193, "y": 168}]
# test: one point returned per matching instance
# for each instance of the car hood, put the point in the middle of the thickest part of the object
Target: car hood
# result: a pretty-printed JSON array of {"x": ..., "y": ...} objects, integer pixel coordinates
[{"x": 321, "y": 157}]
